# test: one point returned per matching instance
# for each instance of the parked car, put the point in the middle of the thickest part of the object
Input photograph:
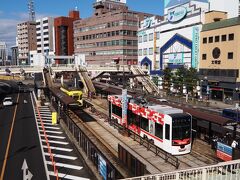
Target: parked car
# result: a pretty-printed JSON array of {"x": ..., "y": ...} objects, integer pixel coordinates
[
  {"x": 162, "y": 100},
  {"x": 7, "y": 101}
]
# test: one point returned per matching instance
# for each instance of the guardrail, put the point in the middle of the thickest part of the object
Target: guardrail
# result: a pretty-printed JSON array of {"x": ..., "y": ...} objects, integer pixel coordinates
[
  {"x": 146, "y": 143},
  {"x": 227, "y": 170},
  {"x": 46, "y": 139}
]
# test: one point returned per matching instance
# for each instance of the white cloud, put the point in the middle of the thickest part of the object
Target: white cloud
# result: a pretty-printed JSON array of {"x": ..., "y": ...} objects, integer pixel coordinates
[{"x": 8, "y": 26}]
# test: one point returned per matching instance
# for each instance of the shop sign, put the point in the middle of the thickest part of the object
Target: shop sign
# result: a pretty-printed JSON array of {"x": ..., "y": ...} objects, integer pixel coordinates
[
  {"x": 195, "y": 46},
  {"x": 102, "y": 167},
  {"x": 177, "y": 14},
  {"x": 175, "y": 58},
  {"x": 147, "y": 23}
]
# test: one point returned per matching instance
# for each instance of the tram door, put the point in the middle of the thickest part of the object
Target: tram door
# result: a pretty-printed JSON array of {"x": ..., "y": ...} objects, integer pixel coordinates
[
  {"x": 152, "y": 127},
  {"x": 167, "y": 142}
]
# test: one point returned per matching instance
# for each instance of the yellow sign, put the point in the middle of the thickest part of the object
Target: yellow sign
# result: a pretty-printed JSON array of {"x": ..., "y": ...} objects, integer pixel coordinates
[{"x": 54, "y": 118}]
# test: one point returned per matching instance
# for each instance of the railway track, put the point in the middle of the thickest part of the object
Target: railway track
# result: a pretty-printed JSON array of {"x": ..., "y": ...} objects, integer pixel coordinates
[
  {"x": 96, "y": 127},
  {"x": 194, "y": 159}
]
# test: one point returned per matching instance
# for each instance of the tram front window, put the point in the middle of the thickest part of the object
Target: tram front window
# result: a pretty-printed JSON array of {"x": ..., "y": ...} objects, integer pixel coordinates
[{"x": 181, "y": 130}]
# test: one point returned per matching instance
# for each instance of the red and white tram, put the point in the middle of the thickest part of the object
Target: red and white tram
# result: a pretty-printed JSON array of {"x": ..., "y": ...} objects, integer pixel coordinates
[{"x": 167, "y": 127}]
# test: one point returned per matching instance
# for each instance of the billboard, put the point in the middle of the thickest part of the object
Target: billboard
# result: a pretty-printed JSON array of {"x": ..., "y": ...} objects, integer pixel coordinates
[
  {"x": 124, "y": 107},
  {"x": 224, "y": 151},
  {"x": 102, "y": 167},
  {"x": 195, "y": 46},
  {"x": 175, "y": 58}
]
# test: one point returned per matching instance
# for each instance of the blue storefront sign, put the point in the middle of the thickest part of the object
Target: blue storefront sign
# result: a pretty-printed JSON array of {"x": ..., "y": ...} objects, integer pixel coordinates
[
  {"x": 102, "y": 167},
  {"x": 195, "y": 47},
  {"x": 175, "y": 58},
  {"x": 177, "y": 14},
  {"x": 124, "y": 107}
]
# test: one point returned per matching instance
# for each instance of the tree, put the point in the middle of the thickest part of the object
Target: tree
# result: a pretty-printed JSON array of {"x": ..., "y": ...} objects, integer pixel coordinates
[{"x": 167, "y": 78}]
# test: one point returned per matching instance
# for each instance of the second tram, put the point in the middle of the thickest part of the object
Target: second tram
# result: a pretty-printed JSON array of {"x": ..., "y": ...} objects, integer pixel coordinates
[
  {"x": 75, "y": 94},
  {"x": 167, "y": 127}
]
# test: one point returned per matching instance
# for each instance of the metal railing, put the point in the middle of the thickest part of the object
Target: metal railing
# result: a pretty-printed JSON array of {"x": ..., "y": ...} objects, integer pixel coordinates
[{"x": 222, "y": 171}]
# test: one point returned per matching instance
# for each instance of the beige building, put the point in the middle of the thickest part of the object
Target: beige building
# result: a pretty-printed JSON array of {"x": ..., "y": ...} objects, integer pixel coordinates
[
  {"x": 110, "y": 34},
  {"x": 27, "y": 41},
  {"x": 219, "y": 56}
]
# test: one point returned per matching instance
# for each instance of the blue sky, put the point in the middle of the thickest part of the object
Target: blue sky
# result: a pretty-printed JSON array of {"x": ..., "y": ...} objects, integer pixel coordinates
[{"x": 15, "y": 11}]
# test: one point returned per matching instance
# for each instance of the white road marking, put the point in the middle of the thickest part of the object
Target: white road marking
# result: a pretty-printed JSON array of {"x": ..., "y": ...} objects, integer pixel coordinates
[
  {"x": 45, "y": 120},
  {"x": 47, "y": 124},
  {"x": 62, "y": 165},
  {"x": 66, "y": 176},
  {"x": 53, "y": 132},
  {"x": 47, "y": 127},
  {"x": 60, "y": 149},
  {"x": 57, "y": 137},
  {"x": 56, "y": 142},
  {"x": 61, "y": 156}
]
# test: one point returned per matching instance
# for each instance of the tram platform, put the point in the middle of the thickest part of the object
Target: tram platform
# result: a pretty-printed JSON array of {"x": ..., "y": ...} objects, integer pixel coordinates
[{"x": 201, "y": 154}]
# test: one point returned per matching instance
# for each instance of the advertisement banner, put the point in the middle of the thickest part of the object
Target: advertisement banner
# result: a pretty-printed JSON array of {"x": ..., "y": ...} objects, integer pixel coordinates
[
  {"x": 175, "y": 58},
  {"x": 102, "y": 167},
  {"x": 224, "y": 151},
  {"x": 124, "y": 107},
  {"x": 195, "y": 47}
]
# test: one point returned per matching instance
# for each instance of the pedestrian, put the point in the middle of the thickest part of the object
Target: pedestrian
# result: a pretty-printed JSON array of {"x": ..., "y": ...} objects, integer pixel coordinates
[{"x": 234, "y": 144}]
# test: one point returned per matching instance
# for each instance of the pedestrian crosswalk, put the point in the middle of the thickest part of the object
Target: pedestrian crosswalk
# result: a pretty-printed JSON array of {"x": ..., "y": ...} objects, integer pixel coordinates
[{"x": 67, "y": 161}]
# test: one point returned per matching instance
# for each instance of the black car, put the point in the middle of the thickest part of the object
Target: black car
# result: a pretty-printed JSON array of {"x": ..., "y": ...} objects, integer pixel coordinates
[{"x": 19, "y": 83}]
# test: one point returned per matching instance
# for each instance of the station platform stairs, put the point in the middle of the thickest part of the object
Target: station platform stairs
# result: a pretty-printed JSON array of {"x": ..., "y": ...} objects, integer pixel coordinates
[
  {"x": 147, "y": 83},
  {"x": 88, "y": 85}
]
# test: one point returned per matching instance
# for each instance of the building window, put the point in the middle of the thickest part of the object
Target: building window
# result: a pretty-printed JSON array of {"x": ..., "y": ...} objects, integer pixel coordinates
[
  {"x": 158, "y": 35},
  {"x": 210, "y": 39},
  {"x": 204, "y": 56},
  {"x": 231, "y": 37},
  {"x": 204, "y": 40},
  {"x": 230, "y": 55},
  {"x": 150, "y": 51},
  {"x": 140, "y": 52},
  {"x": 157, "y": 50},
  {"x": 139, "y": 39},
  {"x": 216, "y": 38},
  {"x": 224, "y": 37},
  {"x": 145, "y": 38},
  {"x": 145, "y": 51},
  {"x": 150, "y": 36}
]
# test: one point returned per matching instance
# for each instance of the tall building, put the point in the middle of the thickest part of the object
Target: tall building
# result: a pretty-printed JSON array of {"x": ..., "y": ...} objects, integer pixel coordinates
[
  {"x": 27, "y": 41},
  {"x": 14, "y": 50},
  {"x": 63, "y": 27},
  {"x": 219, "y": 56},
  {"x": 175, "y": 41},
  {"x": 44, "y": 29},
  {"x": 3, "y": 53},
  {"x": 109, "y": 34}
]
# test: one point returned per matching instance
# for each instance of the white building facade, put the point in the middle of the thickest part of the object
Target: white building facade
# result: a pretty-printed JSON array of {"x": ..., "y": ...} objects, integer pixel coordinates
[
  {"x": 174, "y": 41},
  {"x": 3, "y": 53},
  {"x": 45, "y": 37}
]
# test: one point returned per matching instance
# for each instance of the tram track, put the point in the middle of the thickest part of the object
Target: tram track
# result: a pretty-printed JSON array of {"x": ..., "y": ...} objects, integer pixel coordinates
[
  {"x": 90, "y": 124},
  {"x": 193, "y": 159}
]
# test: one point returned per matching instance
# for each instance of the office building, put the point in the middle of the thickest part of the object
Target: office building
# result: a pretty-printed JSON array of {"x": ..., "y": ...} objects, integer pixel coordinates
[
  {"x": 45, "y": 41},
  {"x": 27, "y": 41},
  {"x": 3, "y": 53},
  {"x": 63, "y": 28},
  {"x": 110, "y": 34},
  {"x": 219, "y": 56},
  {"x": 14, "y": 50}
]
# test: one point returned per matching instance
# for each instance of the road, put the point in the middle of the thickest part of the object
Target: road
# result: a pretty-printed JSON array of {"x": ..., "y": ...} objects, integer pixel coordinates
[{"x": 23, "y": 140}]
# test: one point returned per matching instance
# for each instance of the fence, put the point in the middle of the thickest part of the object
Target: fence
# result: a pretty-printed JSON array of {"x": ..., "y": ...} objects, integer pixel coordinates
[{"x": 222, "y": 171}]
